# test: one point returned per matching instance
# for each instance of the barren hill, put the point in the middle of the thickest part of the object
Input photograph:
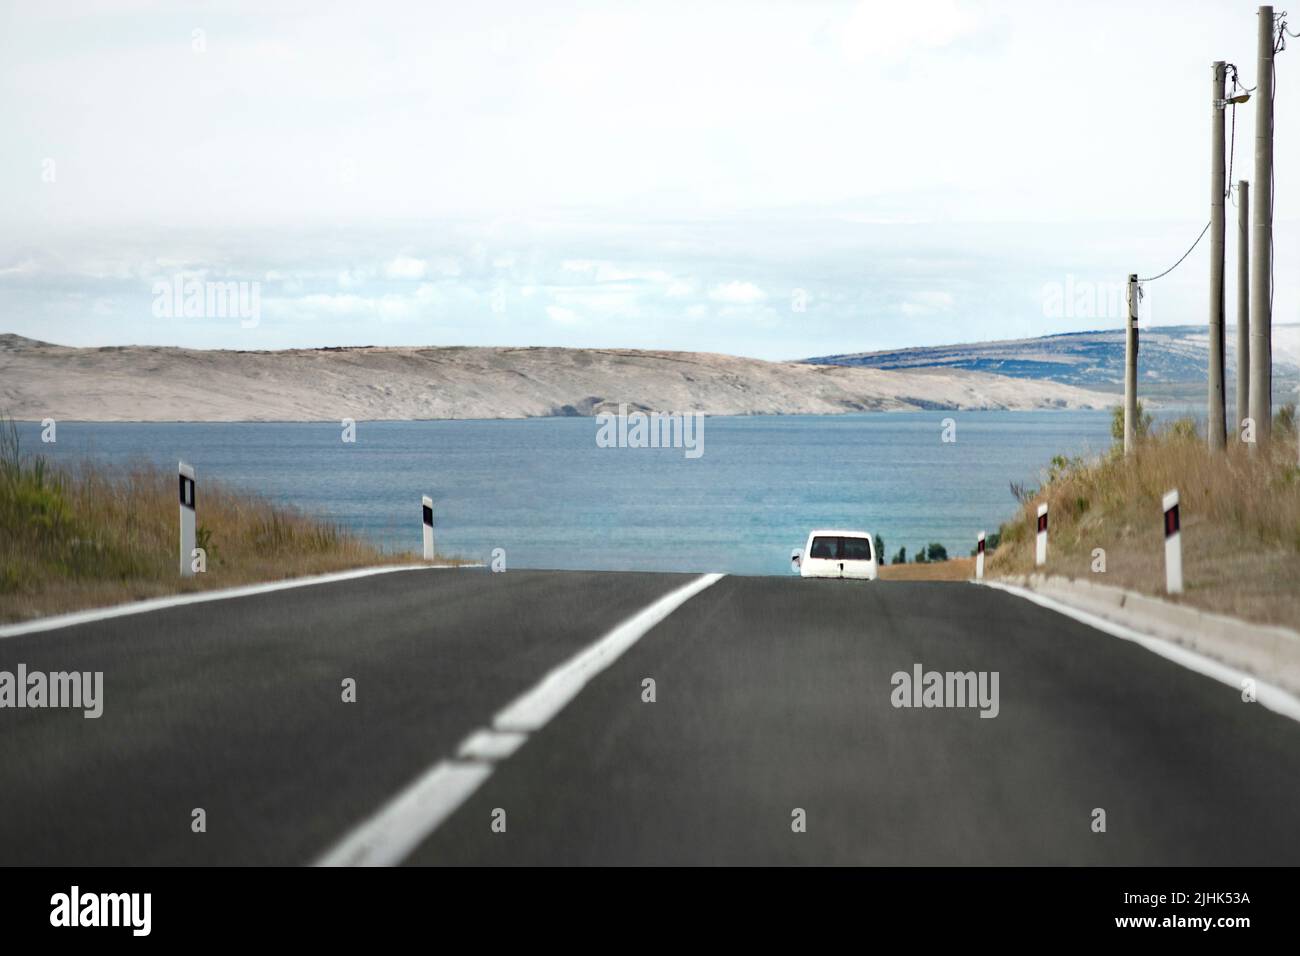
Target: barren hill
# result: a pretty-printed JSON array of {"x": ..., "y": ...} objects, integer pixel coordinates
[{"x": 147, "y": 383}]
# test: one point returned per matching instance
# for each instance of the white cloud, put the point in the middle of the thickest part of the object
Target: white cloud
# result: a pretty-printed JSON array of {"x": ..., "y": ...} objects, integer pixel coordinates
[
  {"x": 25, "y": 268},
  {"x": 609, "y": 300},
  {"x": 561, "y": 315},
  {"x": 354, "y": 278},
  {"x": 891, "y": 31},
  {"x": 437, "y": 121},
  {"x": 608, "y": 272},
  {"x": 927, "y": 303},
  {"x": 605, "y": 271},
  {"x": 405, "y": 267},
  {"x": 679, "y": 285},
  {"x": 737, "y": 293},
  {"x": 389, "y": 307}
]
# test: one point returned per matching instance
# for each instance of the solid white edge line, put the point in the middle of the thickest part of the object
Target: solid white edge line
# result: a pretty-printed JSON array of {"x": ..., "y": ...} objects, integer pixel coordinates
[
  {"x": 1274, "y": 698},
  {"x": 198, "y": 597},
  {"x": 406, "y": 821}
]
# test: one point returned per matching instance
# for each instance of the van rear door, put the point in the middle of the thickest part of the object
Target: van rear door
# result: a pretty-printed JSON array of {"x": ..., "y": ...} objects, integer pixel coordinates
[{"x": 840, "y": 556}]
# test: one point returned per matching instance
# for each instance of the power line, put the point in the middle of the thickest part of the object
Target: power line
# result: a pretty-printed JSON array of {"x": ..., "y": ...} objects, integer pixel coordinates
[
  {"x": 1232, "y": 147},
  {"x": 1180, "y": 258},
  {"x": 1282, "y": 32},
  {"x": 1232, "y": 150},
  {"x": 1232, "y": 68},
  {"x": 1279, "y": 45}
]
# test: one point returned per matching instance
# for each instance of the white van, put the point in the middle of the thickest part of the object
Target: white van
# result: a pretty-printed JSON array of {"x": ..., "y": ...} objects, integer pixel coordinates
[{"x": 837, "y": 554}]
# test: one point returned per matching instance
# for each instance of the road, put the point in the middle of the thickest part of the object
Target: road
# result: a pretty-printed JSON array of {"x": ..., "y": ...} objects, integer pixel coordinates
[{"x": 772, "y": 706}]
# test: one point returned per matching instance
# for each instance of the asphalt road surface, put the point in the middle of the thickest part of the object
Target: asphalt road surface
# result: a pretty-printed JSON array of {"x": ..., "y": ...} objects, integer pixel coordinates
[{"x": 772, "y": 709}]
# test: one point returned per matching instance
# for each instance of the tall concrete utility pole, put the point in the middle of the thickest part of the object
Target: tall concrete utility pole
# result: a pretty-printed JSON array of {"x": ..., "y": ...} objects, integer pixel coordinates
[
  {"x": 1261, "y": 293},
  {"x": 1243, "y": 302},
  {"x": 1131, "y": 367},
  {"x": 1214, "y": 423}
]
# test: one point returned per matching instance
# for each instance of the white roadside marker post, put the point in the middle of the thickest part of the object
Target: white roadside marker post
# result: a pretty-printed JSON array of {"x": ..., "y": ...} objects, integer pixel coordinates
[
  {"x": 1040, "y": 555},
  {"x": 428, "y": 528},
  {"x": 188, "y": 543},
  {"x": 979, "y": 558},
  {"x": 1173, "y": 545}
]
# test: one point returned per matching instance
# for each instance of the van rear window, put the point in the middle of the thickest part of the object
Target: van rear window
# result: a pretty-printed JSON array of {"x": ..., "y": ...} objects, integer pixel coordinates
[
  {"x": 841, "y": 549},
  {"x": 825, "y": 548},
  {"x": 855, "y": 549}
]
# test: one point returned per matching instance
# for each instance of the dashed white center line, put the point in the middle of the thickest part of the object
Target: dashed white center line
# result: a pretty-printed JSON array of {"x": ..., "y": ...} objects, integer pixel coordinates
[
  {"x": 403, "y": 823},
  {"x": 531, "y": 710},
  {"x": 490, "y": 745}
]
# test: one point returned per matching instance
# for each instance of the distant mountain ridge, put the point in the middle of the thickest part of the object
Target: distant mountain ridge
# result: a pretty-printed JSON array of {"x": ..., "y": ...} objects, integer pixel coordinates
[
  {"x": 155, "y": 383},
  {"x": 1174, "y": 357}
]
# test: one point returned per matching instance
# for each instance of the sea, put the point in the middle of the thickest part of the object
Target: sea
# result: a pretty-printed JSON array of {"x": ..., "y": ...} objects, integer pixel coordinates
[{"x": 549, "y": 496}]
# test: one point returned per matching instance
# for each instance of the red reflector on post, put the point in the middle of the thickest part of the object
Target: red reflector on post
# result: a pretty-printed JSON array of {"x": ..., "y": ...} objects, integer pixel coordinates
[{"x": 1171, "y": 521}]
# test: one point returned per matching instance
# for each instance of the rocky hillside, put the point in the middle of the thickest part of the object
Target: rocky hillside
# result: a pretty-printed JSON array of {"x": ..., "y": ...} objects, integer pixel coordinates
[
  {"x": 1172, "y": 359},
  {"x": 144, "y": 383}
]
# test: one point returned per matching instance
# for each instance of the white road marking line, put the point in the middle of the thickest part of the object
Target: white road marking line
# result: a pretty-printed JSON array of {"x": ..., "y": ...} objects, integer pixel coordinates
[
  {"x": 402, "y": 824},
  {"x": 197, "y": 597},
  {"x": 490, "y": 745},
  {"x": 1269, "y": 695},
  {"x": 387, "y": 837},
  {"x": 532, "y": 709}
]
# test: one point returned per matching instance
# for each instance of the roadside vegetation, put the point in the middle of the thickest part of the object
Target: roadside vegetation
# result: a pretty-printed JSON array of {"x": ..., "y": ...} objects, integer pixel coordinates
[
  {"x": 73, "y": 538},
  {"x": 951, "y": 569},
  {"x": 933, "y": 553},
  {"x": 1240, "y": 517}
]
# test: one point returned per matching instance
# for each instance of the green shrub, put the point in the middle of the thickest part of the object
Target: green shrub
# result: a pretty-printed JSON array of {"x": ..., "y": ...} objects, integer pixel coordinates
[
  {"x": 1184, "y": 429},
  {"x": 1141, "y": 428},
  {"x": 1285, "y": 419}
]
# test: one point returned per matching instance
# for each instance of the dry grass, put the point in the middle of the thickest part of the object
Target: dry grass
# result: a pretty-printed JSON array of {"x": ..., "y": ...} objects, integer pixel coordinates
[
  {"x": 85, "y": 537},
  {"x": 1240, "y": 516},
  {"x": 955, "y": 569}
]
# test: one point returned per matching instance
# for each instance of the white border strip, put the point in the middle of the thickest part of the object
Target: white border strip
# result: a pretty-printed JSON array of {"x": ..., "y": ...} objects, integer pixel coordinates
[
  {"x": 1271, "y": 696},
  {"x": 198, "y": 597},
  {"x": 407, "y": 820}
]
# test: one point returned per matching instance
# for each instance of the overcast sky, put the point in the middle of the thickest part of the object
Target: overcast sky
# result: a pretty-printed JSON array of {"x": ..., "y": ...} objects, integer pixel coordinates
[{"x": 763, "y": 178}]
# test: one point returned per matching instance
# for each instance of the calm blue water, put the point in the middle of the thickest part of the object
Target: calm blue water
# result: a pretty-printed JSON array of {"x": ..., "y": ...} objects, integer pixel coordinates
[{"x": 543, "y": 490}]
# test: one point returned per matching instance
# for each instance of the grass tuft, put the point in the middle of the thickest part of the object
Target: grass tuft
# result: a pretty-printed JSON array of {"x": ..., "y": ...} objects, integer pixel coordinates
[
  {"x": 1240, "y": 515},
  {"x": 73, "y": 538}
]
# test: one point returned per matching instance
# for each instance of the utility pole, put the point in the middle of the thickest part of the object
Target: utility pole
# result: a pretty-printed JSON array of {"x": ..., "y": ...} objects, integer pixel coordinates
[
  {"x": 1261, "y": 293},
  {"x": 1214, "y": 425},
  {"x": 1131, "y": 367},
  {"x": 1243, "y": 302}
]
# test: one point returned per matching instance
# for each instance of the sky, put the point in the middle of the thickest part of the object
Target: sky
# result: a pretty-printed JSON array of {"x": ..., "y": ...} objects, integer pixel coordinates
[{"x": 775, "y": 179}]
